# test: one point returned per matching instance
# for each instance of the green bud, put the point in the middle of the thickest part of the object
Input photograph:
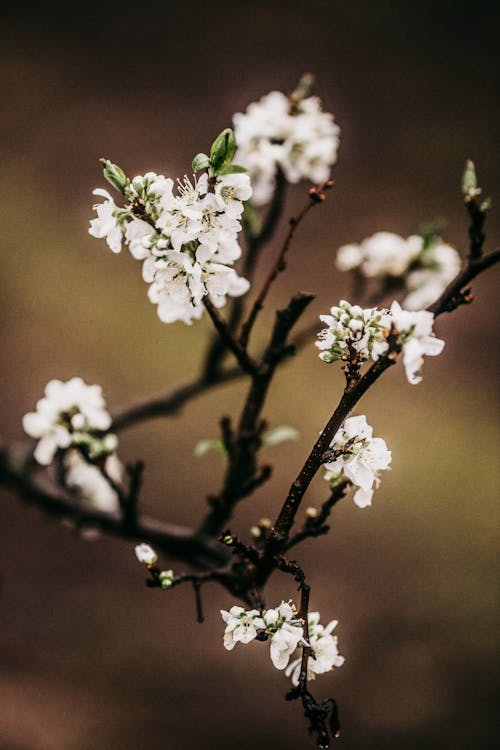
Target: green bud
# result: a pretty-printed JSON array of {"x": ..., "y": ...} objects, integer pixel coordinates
[
  {"x": 222, "y": 150},
  {"x": 228, "y": 539},
  {"x": 166, "y": 577},
  {"x": 114, "y": 175},
  {"x": 469, "y": 180},
  {"x": 200, "y": 161},
  {"x": 304, "y": 87}
]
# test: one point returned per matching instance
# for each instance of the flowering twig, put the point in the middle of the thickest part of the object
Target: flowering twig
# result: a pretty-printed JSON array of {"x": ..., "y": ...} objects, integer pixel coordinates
[
  {"x": 316, "y": 195},
  {"x": 242, "y": 462},
  {"x": 255, "y": 242}
]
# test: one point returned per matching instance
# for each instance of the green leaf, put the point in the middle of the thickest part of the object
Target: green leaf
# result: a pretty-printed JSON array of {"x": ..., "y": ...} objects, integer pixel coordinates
[
  {"x": 205, "y": 446},
  {"x": 279, "y": 435},
  {"x": 114, "y": 175},
  {"x": 222, "y": 150},
  {"x": 200, "y": 161},
  {"x": 231, "y": 169}
]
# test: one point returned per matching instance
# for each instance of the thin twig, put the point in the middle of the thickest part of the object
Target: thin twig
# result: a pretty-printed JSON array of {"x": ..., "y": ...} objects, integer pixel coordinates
[
  {"x": 315, "y": 196},
  {"x": 245, "y": 361}
]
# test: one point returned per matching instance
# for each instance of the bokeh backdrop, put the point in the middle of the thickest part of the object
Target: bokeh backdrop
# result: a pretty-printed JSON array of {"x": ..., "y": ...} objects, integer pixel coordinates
[{"x": 92, "y": 660}]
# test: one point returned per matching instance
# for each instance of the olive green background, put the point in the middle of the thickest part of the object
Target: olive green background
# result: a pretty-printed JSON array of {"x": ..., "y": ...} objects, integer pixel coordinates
[{"x": 92, "y": 660}]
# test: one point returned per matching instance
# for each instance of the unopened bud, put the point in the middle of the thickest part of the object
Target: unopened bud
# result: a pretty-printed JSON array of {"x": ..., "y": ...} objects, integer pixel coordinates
[{"x": 312, "y": 512}]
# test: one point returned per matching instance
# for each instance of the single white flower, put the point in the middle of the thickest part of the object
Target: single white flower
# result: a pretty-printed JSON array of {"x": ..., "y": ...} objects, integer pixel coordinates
[
  {"x": 231, "y": 191},
  {"x": 146, "y": 554},
  {"x": 106, "y": 224},
  {"x": 241, "y": 626},
  {"x": 363, "y": 460},
  {"x": 416, "y": 337}
]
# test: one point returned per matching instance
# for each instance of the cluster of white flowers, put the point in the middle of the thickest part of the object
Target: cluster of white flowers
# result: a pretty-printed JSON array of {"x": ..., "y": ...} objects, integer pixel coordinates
[
  {"x": 281, "y": 625},
  {"x": 279, "y": 133},
  {"x": 351, "y": 326},
  {"x": 187, "y": 238},
  {"x": 285, "y": 632},
  {"x": 425, "y": 267},
  {"x": 366, "y": 331},
  {"x": 324, "y": 646},
  {"x": 88, "y": 483},
  {"x": 71, "y": 413},
  {"x": 363, "y": 459}
]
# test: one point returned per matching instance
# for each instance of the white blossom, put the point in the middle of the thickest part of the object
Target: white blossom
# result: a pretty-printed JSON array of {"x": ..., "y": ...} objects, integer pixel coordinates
[
  {"x": 325, "y": 649},
  {"x": 88, "y": 483},
  {"x": 146, "y": 554},
  {"x": 296, "y": 137},
  {"x": 285, "y": 630},
  {"x": 71, "y": 413},
  {"x": 241, "y": 626},
  {"x": 186, "y": 237},
  {"x": 415, "y": 335},
  {"x": 350, "y": 326},
  {"x": 424, "y": 267},
  {"x": 438, "y": 264},
  {"x": 107, "y": 224},
  {"x": 364, "y": 458}
]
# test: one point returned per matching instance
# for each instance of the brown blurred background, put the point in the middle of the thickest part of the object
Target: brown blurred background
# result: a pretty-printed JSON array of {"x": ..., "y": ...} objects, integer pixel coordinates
[{"x": 92, "y": 660}]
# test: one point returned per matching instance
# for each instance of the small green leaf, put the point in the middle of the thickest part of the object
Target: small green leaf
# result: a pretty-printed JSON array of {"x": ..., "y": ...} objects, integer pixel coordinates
[
  {"x": 114, "y": 175},
  {"x": 231, "y": 169},
  {"x": 279, "y": 435},
  {"x": 200, "y": 161},
  {"x": 222, "y": 150},
  {"x": 205, "y": 446}
]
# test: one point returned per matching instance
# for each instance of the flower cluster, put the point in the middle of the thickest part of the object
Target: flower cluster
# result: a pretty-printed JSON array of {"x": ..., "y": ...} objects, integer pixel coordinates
[
  {"x": 278, "y": 132},
  {"x": 364, "y": 332},
  {"x": 186, "y": 237},
  {"x": 280, "y": 625},
  {"x": 350, "y": 327},
  {"x": 88, "y": 482},
  {"x": 424, "y": 266},
  {"x": 325, "y": 649},
  {"x": 71, "y": 413},
  {"x": 357, "y": 457}
]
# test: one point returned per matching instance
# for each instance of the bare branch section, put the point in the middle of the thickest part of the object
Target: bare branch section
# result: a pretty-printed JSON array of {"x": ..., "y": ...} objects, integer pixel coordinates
[
  {"x": 242, "y": 458},
  {"x": 172, "y": 540},
  {"x": 316, "y": 195}
]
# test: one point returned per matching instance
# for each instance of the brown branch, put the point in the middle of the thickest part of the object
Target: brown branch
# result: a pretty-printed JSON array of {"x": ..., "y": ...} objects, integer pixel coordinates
[
  {"x": 172, "y": 540},
  {"x": 351, "y": 396},
  {"x": 246, "y": 362},
  {"x": 171, "y": 403},
  {"x": 315, "y": 196},
  {"x": 242, "y": 462},
  {"x": 454, "y": 296},
  {"x": 316, "y": 525}
]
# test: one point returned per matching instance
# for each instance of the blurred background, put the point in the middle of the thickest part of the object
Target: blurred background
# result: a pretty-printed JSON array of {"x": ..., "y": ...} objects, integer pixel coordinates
[{"x": 92, "y": 660}]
